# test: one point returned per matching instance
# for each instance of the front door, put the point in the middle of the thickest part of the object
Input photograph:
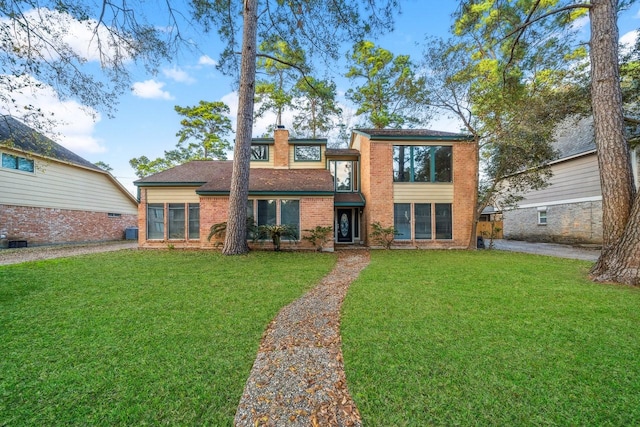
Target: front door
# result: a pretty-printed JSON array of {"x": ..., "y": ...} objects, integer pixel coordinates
[{"x": 345, "y": 225}]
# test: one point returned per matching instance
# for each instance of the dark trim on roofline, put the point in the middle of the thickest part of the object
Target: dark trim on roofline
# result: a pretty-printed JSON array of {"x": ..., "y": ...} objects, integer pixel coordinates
[
  {"x": 308, "y": 141},
  {"x": 269, "y": 193},
  {"x": 169, "y": 184},
  {"x": 349, "y": 204},
  {"x": 459, "y": 137}
]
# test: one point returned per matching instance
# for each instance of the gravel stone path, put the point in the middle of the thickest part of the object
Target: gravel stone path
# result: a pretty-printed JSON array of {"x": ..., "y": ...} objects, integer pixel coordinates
[
  {"x": 36, "y": 253},
  {"x": 298, "y": 377}
]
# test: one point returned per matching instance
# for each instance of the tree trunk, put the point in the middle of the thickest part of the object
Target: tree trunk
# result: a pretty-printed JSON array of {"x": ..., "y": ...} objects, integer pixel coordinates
[
  {"x": 235, "y": 242},
  {"x": 620, "y": 256}
]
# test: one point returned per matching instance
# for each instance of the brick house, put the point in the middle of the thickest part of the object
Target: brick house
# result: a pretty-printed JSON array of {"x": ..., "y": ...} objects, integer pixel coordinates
[
  {"x": 50, "y": 195},
  {"x": 419, "y": 181}
]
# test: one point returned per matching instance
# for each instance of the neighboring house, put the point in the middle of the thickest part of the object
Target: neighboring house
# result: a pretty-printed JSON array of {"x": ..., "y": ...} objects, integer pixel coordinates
[
  {"x": 421, "y": 181},
  {"x": 50, "y": 195},
  {"x": 569, "y": 210}
]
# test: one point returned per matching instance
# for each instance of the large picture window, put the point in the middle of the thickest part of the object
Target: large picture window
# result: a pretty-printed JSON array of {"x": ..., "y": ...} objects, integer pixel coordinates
[
  {"x": 155, "y": 221},
  {"x": 307, "y": 153},
  {"x": 425, "y": 217},
  {"x": 266, "y": 212},
  {"x": 183, "y": 220},
  {"x": 422, "y": 163},
  {"x": 344, "y": 175},
  {"x": 10, "y": 161}
]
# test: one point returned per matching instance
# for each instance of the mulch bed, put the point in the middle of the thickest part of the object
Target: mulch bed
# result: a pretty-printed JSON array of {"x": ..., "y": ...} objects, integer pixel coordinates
[{"x": 298, "y": 377}]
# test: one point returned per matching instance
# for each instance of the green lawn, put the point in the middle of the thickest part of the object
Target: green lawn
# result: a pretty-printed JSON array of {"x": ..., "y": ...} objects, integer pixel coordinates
[
  {"x": 490, "y": 338},
  {"x": 139, "y": 337}
]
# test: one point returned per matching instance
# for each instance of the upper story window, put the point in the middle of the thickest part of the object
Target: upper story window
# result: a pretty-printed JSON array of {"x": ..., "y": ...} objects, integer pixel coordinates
[
  {"x": 344, "y": 174},
  {"x": 307, "y": 153},
  {"x": 10, "y": 161},
  {"x": 260, "y": 152},
  {"x": 422, "y": 163}
]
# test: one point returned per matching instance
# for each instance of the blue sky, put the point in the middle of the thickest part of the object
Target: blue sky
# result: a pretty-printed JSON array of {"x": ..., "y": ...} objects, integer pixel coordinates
[{"x": 145, "y": 122}]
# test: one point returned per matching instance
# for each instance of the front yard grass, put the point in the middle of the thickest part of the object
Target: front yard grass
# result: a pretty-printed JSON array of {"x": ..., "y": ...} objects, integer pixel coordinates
[
  {"x": 139, "y": 337},
  {"x": 490, "y": 338}
]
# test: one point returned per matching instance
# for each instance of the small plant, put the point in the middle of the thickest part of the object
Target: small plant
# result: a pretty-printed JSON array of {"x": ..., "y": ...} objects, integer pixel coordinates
[
  {"x": 171, "y": 246},
  {"x": 318, "y": 236},
  {"x": 276, "y": 233},
  {"x": 383, "y": 236}
]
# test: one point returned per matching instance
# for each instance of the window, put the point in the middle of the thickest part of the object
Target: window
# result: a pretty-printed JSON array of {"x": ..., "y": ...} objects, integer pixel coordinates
[
  {"x": 290, "y": 215},
  {"x": 155, "y": 221},
  {"x": 343, "y": 173},
  {"x": 402, "y": 220},
  {"x": 423, "y": 220},
  {"x": 176, "y": 221},
  {"x": 267, "y": 213},
  {"x": 307, "y": 153},
  {"x": 194, "y": 221},
  {"x": 443, "y": 221},
  {"x": 260, "y": 152},
  {"x": 18, "y": 163},
  {"x": 426, "y": 217},
  {"x": 416, "y": 163},
  {"x": 542, "y": 217}
]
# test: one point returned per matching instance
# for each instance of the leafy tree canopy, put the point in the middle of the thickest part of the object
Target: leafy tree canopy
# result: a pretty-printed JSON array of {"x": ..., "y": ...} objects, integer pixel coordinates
[{"x": 392, "y": 93}]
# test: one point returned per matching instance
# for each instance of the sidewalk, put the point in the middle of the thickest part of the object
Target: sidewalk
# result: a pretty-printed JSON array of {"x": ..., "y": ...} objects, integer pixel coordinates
[{"x": 551, "y": 249}]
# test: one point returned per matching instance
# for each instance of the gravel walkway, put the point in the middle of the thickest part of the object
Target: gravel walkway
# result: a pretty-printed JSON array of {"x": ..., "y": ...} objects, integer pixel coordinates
[
  {"x": 298, "y": 377},
  {"x": 36, "y": 253}
]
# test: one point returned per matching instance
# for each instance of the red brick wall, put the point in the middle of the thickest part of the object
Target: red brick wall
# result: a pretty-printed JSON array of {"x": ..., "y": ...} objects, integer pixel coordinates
[
  {"x": 316, "y": 211},
  {"x": 41, "y": 226},
  {"x": 465, "y": 165},
  {"x": 377, "y": 184},
  {"x": 281, "y": 149}
]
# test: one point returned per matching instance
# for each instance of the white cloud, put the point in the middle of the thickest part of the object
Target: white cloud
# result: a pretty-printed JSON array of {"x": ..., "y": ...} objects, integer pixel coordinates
[
  {"x": 178, "y": 75},
  {"x": 628, "y": 40},
  {"x": 150, "y": 89},
  {"x": 72, "y": 124},
  {"x": 207, "y": 60},
  {"x": 61, "y": 32}
]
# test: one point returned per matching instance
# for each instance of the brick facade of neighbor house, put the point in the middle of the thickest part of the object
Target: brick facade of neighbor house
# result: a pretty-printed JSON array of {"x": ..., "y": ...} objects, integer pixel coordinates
[
  {"x": 45, "y": 226},
  {"x": 346, "y": 189}
]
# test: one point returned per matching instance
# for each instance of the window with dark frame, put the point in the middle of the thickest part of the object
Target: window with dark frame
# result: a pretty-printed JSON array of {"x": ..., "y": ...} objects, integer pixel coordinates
[
  {"x": 307, "y": 153},
  {"x": 9, "y": 161},
  {"x": 260, "y": 152},
  {"x": 425, "y": 218},
  {"x": 422, "y": 163}
]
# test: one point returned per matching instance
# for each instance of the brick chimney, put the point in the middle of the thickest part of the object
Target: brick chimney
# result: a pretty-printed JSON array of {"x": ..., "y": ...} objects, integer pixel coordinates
[{"x": 281, "y": 148}]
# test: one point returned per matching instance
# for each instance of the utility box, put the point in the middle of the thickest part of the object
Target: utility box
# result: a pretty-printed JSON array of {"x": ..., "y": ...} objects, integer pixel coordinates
[{"x": 131, "y": 233}]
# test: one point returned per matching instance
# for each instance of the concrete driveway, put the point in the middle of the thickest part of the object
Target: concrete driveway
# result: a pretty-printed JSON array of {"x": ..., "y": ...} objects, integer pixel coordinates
[{"x": 552, "y": 249}]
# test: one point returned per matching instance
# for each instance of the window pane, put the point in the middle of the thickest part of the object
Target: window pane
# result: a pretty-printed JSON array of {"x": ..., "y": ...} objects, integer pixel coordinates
[
  {"x": 9, "y": 161},
  {"x": 194, "y": 221},
  {"x": 307, "y": 153},
  {"x": 442, "y": 164},
  {"x": 423, "y": 220},
  {"x": 25, "y": 164},
  {"x": 344, "y": 177},
  {"x": 290, "y": 215},
  {"x": 155, "y": 221},
  {"x": 260, "y": 152},
  {"x": 402, "y": 220},
  {"x": 176, "y": 221},
  {"x": 443, "y": 221},
  {"x": 422, "y": 164},
  {"x": 266, "y": 212},
  {"x": 401, "y": 163}
]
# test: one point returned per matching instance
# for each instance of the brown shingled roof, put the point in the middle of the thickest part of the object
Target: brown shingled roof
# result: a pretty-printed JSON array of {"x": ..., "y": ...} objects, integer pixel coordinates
[
  {"x": 342, "y": 152},
  {"x": 276, "y": 180},
  {"x": 215, "y": 176},
  {"x": 194, "y": 172}
]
